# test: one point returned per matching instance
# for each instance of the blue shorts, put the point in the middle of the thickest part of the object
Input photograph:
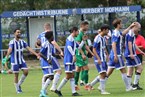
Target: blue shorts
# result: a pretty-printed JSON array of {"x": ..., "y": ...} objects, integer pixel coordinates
[
  {"x": 48, "y": 71},
  {"x": 69, "y": 68},
  {"x": 55, "y": 64},
  {"x": 119, "y": 65},
  {"x": 133, "y": 62},
  {"x": 16, "y": 67},
  {"x": 101, "y": 67}
]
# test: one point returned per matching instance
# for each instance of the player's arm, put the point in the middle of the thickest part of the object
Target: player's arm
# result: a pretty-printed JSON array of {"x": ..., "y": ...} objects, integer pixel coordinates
[
  {"x": 57, "y": 47},
  {"x": 142, "y": 43},
  {"x": 88, "y": 49},
  {"x": 137, "y": 48},
  {"x": 70, "y": 49},
  {"x": 115, "y": 52},
  {"x": 127, "y": 30},
  {"x": 8, "y": 52},
  {"x": 106, "y": 52},
  {"x": 38, "y": 43},
  {"x": 32, "y": 51},
  {"x": 96, "y": 55},
  {"x": 130, "y": 49}
]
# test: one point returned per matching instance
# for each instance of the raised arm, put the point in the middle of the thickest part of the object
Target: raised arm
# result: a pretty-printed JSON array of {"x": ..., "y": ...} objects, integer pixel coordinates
[{"x": 127, "y": 30}]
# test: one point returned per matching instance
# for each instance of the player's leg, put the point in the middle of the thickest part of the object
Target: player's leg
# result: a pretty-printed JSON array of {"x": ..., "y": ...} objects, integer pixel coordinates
[
  {"x": 81, "y": 77},
  {"x": 102, "y": 68},
  {"x": 24, "y": 75},
  {"x": 103, "y": 83},
  {"x": 72, "y": 83},
  {"x": 121, "y": 66},
  {"x": 137, "y": 77},
  {"x": 57, "y": 70},
  {"x": 77, "y": 73},
  {"x": 79, "y": 63},
  {"x": 111, "y": 66},
  {"x": 48, "y": 77},
  {"x": 138, "y": 71},
  {"x": 64, "y": 80},
  {"x": 15, "y": 69},
  {"x": 86, "y": 76}
]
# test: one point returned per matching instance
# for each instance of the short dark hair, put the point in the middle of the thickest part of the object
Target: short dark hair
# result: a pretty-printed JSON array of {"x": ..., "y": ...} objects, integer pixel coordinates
[
  {"x": 49, "y": 35},
  {"x": 73, "y": 29},
  {"x": 83, "y": 23},
  {"x": 16, "y": 30},
  {"x": 116, "y": 22},
  {"x": 104, "y": 27}
]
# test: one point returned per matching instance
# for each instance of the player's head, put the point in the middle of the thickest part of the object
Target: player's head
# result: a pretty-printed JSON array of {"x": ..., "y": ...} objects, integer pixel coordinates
[
  {"x": 17, "y": 33},
  {"x": 137, "y": 27},
  {"x": 84, "y": 26},
  {"x": 75, "y": 31},
  {"x": 47, "y": 26},
  {"x": 117, "y": 23},
  {"x": 105, "y": 29},
  {"x": 49, "y": 36}
]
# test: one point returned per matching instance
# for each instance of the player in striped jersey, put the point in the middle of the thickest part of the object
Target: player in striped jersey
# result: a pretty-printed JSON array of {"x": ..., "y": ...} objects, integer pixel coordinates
[
  {"x": 116, "y": 58},
  {"x": 132, "y": 60},
  {"x": 100, "y": 51},
  {"x": 16, "y": 47},
  {"x": 46, "y": 62},
  {"x": 69, "y": 62},
  {"x": 56, "y": 66}
]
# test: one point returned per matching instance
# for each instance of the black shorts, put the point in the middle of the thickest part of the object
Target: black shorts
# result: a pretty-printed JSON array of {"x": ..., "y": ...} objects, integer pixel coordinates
[{"x": 140, "y": 57}]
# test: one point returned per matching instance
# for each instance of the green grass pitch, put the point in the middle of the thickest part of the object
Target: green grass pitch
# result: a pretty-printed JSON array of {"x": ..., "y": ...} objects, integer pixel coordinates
[{"x": 32, "y": 85}]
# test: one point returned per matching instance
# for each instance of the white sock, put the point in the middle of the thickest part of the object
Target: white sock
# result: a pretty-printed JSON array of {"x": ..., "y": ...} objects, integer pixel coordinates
[
  {"x": 55, "y": 80},
  {"x": 72, "y": 83},
  {"x": 102, "y": 85},
  {"x": 129, "y": 80},
  {"x": 125, "y": 79},
  {"x": 96, "y": 80},
  {"x": 136, "y": 79},
  {"x": 48, "y": 81},
  {"x": 63, "y": 82},
  {"x": 16, "y": 86},
  {"x": 43, "y": 81},
  {"x": 106, "y": 78},
  {"x": 21, "y": 79}
]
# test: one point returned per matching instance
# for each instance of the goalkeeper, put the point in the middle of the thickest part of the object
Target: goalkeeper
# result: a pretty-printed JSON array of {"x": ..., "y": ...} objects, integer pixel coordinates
[{"x": 6, "y": 64}]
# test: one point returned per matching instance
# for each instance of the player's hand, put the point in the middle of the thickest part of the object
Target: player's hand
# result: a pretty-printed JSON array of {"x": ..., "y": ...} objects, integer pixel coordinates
[
  {"x": 107, "y": 57},
  {"x": 132, "y": 56},
  {"x": 92, "y": 54},
  {"x": 49, "y": 61},
  {"x": 99, "y": 62},
  {"x": 61, "y": 54},
  {"x": 115, "y": 59},
  {"x": 74, "y": 58},
  {"x": 85, "y": 37},
  {"x": 132, "y": 25},
  {"x": 143, "y": 54},
  {"x": 84, "y": 57},
  {"x": 38, "y": 56}
]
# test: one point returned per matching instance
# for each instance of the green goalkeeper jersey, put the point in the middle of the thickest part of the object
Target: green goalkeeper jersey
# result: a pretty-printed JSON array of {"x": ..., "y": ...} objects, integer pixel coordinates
[{"x": 79, "y": 60}]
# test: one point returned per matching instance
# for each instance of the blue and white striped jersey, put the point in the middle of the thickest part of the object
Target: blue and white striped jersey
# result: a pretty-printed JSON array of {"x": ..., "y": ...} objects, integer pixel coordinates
[
  {"x": 46, "y": 50},
  {"x": 17, "y": 51},
  {"x": 68, "y": 56},
  {"x": 118, "y": 39},
  {"x": 42, "y": 38},
  {"x": 130, "y": 37},
  {"x": 100, "y": 45}
]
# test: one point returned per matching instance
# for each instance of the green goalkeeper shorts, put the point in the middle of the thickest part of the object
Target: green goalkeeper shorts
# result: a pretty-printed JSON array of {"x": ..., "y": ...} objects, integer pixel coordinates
[{"x": 80, "y": 62}]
